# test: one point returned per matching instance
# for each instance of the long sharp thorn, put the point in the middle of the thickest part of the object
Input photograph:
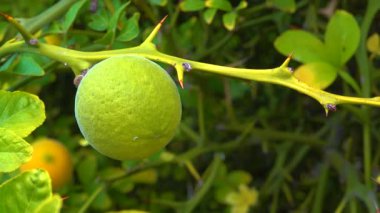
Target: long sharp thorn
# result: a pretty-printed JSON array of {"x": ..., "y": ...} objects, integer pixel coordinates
[
  {"x": 181, "y": 83},
  {"x": 6, "y": 16},
  {"x": 28, "y": 37},
  {"x": 287, "y": 60},
  {"x": 163, "y": 19},
  {"x": 290, "y": 56},
  {"x": 151, "y": 36},
  {"x": 64, "y": 198}
]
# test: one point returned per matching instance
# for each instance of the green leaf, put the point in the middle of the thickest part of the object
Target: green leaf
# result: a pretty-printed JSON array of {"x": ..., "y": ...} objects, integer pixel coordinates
[
  {"x": 14, "y": 151},
  {"x": 99, "y": 21},
  {"x": 242, "y": 5},
  {"x": 24, "y": 65},
  {"x": 87, "y": 169},
  {"x": 111, "y": 173},
  {"x": 110, "y": 35},
  {"x": 147, "y": 176},
  {"x": 123, "y": 185},
  {"x": 373, "y": 44},
  {"x": 238, "y": 88},
  {"x": 241, "y": 201},
  {"x": 116, "y": 16},
  {"x": 71, "y": 15},
  {"x": 11, "y": 62},
  {"x": 158, "y": 2},
  {"x": 28, "y": 66},
  {"x": 192, "y": 5},
  {"x": 21, "y": 112},
  {"x": 219, "y": 4},
  {"x": 239, "y": 177},
  {"x": 342, "y": 37},
  {"x": 222, "y": 191},
  {"x": 284, "y": 5},
  {"x": 51, "y": 205},
  {"x": 304, "y": 46},
  {"x": 3, "y": 29},
  {"x": 102, "y": 201},
  {"x": 25, "y": 192},
  {"x": 131, "y": 30},
  {"x": 229, "y": 20},
  {"x": 209, "y": 15},
  {"x": 317, "y": 74}
]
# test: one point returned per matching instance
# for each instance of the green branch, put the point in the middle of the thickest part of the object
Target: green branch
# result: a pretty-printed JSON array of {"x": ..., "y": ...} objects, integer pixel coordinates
[{"x": 281, "y": 75}]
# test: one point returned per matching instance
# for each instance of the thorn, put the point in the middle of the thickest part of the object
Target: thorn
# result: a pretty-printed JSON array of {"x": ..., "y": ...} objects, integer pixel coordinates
[
  {"x": 181, "y": 83},
  {"x": 64, "y": 198},
  {"x": 287, "y": 60},
  {"x": 290, "y": 56},
  {"x": 163, "y": 19},
  {"x": 151, "y": 36},
  {"x": 27, "y": 36},
  {"x": 6, "y": 16}
]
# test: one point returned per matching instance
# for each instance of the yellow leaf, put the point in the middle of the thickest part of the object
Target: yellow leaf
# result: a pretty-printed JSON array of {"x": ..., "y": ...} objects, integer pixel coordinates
[
  {"x": 373, "y": 44},
  {"x": 243, "y": 199}
]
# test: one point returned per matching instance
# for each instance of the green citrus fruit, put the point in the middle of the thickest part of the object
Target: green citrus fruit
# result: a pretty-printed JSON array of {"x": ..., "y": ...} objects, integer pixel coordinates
[
  {"x": 127, "y": 107},
  {"x": 52, "y": 156}
]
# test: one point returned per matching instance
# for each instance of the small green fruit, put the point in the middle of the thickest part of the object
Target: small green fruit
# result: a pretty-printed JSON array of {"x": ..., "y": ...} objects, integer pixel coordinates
[{"x": 127, "y": 107}]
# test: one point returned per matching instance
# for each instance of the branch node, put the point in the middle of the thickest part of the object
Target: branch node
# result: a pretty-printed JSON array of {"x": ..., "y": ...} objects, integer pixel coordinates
[
  {"x": 79, "y": 77},
  {"x": 33, "y": 42},
  {"x": 330, "y": 107},
  {"x": 187, "y": 66}
]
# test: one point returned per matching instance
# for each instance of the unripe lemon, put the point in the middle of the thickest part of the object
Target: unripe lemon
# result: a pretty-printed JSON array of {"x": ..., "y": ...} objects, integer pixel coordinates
[
  {"x": 52, "y": 156},
  {"x": 127, "y": 107}
]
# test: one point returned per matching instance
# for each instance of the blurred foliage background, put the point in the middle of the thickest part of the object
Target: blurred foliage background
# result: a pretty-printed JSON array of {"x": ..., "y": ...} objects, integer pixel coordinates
[{"x": 242, "y": 146}]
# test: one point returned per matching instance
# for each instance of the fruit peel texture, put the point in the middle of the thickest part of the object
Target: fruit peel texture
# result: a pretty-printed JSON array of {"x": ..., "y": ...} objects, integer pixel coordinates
[{"x": 127, "y": 107}]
